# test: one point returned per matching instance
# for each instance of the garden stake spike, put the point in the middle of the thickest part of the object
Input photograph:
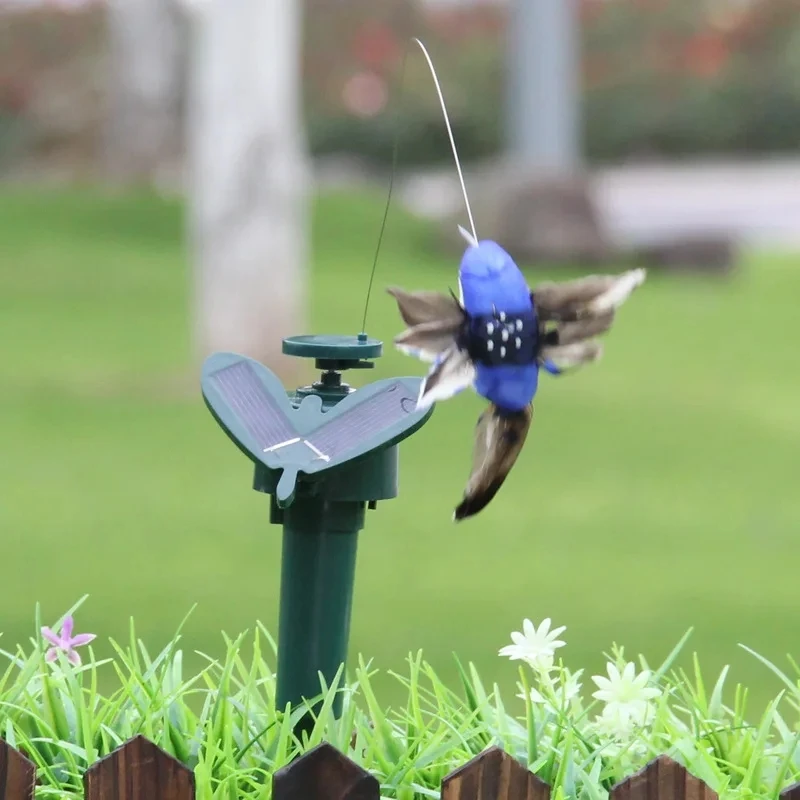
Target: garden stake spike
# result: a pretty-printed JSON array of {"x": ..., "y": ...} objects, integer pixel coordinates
[{"x": 323, "y": 453}]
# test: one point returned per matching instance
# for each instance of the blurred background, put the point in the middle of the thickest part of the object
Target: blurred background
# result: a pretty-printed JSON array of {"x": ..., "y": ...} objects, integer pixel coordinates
[{"x": 182, "y": 177}]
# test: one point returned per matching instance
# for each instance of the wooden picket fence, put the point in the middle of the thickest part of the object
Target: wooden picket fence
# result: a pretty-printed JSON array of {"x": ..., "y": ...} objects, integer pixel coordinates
[{"x": 138, "y": 770}]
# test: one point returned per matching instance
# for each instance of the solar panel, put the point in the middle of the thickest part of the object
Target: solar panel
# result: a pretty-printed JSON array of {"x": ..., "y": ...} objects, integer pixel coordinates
[
  {"x": 363, "y": 421},
  {"x": 241, "y": 389},
  {"x": 252, "y": 406}
]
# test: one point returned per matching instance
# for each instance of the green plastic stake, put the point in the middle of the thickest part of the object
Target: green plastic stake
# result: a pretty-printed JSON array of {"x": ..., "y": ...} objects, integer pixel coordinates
[{"x": 324, "y": 453}]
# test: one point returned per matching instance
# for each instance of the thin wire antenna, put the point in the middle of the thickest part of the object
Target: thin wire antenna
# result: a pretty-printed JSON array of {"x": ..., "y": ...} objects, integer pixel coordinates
[
  {"x": 388, "y": 203},
  {"x": 452, "y": 140}
]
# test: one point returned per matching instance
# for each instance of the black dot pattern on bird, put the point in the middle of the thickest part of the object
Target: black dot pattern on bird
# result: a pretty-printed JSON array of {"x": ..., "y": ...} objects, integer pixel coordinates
[{"x": 502, "y": 339}]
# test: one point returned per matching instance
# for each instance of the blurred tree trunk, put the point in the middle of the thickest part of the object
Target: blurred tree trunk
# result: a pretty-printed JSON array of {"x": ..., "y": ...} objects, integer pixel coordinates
[
  {"x": 148, "y": 56},
  {"x": 248, "y": 177}
]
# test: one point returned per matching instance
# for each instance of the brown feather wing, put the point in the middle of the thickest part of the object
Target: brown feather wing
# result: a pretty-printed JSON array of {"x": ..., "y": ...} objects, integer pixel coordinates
[
  {"x": 419, "y": 308},
  {"x": 572, "y": 332},
  {"x": 434, "y": 337},
  {"x": 557, "y": 298},
  {"x": 587, "y": 297}
]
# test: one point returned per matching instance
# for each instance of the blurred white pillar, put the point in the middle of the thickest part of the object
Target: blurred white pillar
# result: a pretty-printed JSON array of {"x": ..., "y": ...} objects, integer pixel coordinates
[
  {"x": 248, "y": 176},
  {"x": 544, "y": 84}
]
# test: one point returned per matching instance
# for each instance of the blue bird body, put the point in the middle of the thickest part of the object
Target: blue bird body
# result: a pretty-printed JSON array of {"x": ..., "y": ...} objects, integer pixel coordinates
[
  {"x": 494, "y": 288},
  {"x": 490, "y": 280}
]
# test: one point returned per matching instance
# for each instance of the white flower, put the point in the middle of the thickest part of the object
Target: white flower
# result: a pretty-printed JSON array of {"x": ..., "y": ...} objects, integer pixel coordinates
[
  {"x": 626, "y": 695},
  {"x": 535, "y": 647},
  {"x": 570, "y": 686},
  {"x": 560, "y": 693},
  {"x": 619, "y": 733}
]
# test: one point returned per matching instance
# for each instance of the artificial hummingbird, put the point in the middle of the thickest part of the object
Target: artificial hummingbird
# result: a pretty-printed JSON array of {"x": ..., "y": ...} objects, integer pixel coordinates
[{"x": 495, "y": 337}]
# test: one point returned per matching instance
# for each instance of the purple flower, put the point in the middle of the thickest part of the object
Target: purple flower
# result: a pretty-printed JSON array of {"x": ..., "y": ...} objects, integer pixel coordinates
[{"x": 65, "y": 642}]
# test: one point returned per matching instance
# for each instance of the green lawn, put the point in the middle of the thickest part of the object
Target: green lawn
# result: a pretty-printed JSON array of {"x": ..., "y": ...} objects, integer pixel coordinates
[{"x": 658, "y": 489}]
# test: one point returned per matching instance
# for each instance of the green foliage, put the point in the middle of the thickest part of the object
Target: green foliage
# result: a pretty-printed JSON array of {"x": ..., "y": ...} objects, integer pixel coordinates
[
  {"x": 659, "y": 79},
  {"x": 221, "y": 721},
  {"x": 669, "y": 78},
  {"x": 679, "y": 78},
  {"x": 420, "y": 135}
]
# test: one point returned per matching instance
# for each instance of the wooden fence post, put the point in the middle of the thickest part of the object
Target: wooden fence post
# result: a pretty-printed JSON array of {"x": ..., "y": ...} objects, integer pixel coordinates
[
  {"x": 138, "y": 770},
  {"x": 17, "y": 774},
  {"x": 662, "y": 779},
  {"x": 494, "y": 775},
  {"x": 789, "y": 793},
  {"x": 324, "y": 774}
]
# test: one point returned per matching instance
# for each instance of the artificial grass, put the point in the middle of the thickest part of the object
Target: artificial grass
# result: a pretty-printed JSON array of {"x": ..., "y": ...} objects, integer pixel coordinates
[{"x": 223, "y": 724}]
